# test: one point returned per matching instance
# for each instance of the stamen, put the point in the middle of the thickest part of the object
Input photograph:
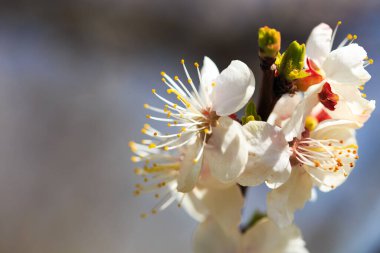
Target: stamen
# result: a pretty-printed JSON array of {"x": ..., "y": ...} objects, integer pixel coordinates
[{"x": 334, "y": 33}]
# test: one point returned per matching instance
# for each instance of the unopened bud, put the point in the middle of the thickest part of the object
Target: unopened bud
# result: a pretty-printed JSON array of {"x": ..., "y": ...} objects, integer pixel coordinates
[
  {"x": 269, "y": 42},
  {"x": 292, "y": 61}
]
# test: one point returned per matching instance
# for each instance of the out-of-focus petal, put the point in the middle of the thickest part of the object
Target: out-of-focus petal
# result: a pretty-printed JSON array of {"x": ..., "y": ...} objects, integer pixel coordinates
[
  {"x": 268, "y": 155},
  {"x": 285, "y": 200},
  {"x": 226, "y": 151},
  {"x": 209, "y": 237},
  {"x": 266, "y": 237},
  {"x": 233, "y": 88}
]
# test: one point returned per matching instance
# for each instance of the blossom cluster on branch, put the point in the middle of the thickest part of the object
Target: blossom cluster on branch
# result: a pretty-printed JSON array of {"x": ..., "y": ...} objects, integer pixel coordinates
[{"x": 300, "y": 138}]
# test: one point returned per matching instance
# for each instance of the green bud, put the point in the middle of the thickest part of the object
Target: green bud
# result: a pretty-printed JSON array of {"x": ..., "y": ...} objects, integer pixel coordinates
[
  {"x": 291, "y": 64},
  {"x": 269, "y": 42},
  {"x": 250, "y": 113}
]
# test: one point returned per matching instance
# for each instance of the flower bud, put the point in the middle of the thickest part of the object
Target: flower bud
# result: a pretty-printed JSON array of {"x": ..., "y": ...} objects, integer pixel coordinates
[
  {"x": 292, "y": 61},
  {"x": 269, "y": 42}
]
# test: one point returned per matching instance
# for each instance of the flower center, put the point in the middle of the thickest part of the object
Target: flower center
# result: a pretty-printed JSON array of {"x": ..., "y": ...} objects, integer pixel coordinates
[{"x": 328, "y": 155}]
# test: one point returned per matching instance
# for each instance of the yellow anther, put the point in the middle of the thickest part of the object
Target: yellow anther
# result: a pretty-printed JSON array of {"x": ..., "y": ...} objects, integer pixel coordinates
[
  {"x": 182, "y": 61},
  {"x": 183, "y": 129},
  {"x": 146, "y": 126},
  {"x": 166, "y": 148},
  {"x": 146, "y": 106},
  {"x": 361, "y": 87},
  {"x": 364, "y": 95},
  {"x": 370, "y": 61},
  {"x": 147, "y": 116},
  {"x": 195, "y": 161},
  {"x": 143, "y": 215},
  {"x": 174, "y": 106},
  {"x": 152, "y": 145},
  {"x": 189, "y": 80},
  {"x": 179, "y": 135},
  {"x": 311, "y": 123},
  {"x": 163, "y": 73},
  {"x": 169, "y": 125},
  {"x": 169, "y": 114},
  {"x": 143, "y": 131},
  {"x": 135, "y": 159},
  {"x": 207, "y": 131},
  {"x": 213, "y": 84},
  {"x": 349, "y": 36},
  {"x": 131, "y": 144},
  {"x": 154, "y": 211},
  {"x": 175, "y": 122},
  {"x": 339, "y": 22},
  {"x": 163, "y": 79},
  {"x": 196, "y": 64},
  {"x": 154, "y": 91},
  {"x": 355, "y": 37},
  {"x": 169, "y": 91}
]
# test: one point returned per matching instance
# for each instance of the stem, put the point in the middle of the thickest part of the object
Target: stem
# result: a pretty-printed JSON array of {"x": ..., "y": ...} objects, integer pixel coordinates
[{"x": 267, "y": 97}]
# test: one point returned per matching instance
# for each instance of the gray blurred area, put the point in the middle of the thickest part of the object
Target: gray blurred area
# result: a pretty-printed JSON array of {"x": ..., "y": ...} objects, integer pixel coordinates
[{"x": 73, "y": 78}]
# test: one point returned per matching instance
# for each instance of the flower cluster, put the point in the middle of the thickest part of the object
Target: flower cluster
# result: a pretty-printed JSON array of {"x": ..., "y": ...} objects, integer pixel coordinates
[{"x": 203, "y": 156}]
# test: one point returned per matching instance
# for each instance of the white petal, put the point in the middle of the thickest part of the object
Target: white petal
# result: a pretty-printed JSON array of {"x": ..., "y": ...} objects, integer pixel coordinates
[
  {"x": 351, "y": 105},
  {"x": 339, "y": 130},
  {"x": 266, "y": 237},
  {"x": 294, "y": 127},
  {"x": 226, "y": 151},
  {"x": 285, "y": 200},
  {"x": 225, "y": 206},
  {"x": 209, "y": 237},
  {"x": 209, "y": 73},
  {"x": 234, "y": 87},
  {"x": 283, "y": 109},
  {"x": 318, "y": 44},
  {"x": 189, "y": 170},
  {"x": 269, "y": 154},
  {"x": 345, "y": 66},
  {"x": 193, "y": 205}
]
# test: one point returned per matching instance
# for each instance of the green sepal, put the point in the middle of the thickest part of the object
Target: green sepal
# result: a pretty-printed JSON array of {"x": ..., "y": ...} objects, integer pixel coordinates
[{"x": 250, "y": 113}]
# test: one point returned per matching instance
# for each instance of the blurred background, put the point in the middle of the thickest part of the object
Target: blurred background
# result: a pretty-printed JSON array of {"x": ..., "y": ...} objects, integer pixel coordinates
[{"x": 73, "y": 78}]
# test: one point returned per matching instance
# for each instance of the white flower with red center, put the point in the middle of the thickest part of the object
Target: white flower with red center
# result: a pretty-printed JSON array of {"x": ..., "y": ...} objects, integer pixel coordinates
[
  {"x": 160, "y": 174},
  {"x": 201, "y": 117},
  {"x": 324, "y": 157},
  {"x": 336, "y": 77}
]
